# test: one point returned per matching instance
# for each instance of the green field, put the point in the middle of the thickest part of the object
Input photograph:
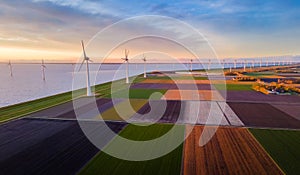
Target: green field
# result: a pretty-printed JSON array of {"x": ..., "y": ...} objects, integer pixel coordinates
[
  {"x": 103, "y": 163},
  {"x": 177, "y": 78},
  {"x": 260, "y": 74},
  {"x": 283, "y": 146},
  {"x": 137, "y": 93},
  {"x": 233, "y": 87},
  {"x": 113, "y": 114}
]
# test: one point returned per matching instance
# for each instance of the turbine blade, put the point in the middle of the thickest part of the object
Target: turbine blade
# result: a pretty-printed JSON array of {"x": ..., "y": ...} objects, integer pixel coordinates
[
  {"x": 81, "y": 65},
  {"x": 83, "y": 49}
]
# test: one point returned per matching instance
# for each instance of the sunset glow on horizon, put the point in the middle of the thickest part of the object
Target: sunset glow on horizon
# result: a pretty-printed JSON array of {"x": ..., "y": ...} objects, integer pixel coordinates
[{"x": 52, "y": 29}]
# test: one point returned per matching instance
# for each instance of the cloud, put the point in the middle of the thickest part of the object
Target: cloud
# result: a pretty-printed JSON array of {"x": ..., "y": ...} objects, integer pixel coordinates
[{"x": 60, "y": 24}]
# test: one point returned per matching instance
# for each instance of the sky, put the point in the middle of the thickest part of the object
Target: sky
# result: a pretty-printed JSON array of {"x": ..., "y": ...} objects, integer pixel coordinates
[{"x": 53, "y": 29}]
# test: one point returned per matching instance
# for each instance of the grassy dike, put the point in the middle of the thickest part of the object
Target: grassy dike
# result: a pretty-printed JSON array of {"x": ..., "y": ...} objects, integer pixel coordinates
[{"x": 18, "y": 110}]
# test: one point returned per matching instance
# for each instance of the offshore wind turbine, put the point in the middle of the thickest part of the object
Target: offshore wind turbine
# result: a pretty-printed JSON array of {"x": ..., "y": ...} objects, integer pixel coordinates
[
  {"x": 235, "y": 63},
  {"x": 86, "y": 60},
  {"x": 126, "y": 60},
  {"x": 223, "y": 63},
  {"x": 43, "y": 70},
  {"x": 260, "y": 63},
  {"x": 191, "y": 65},
  {"x": 10, "y": 68},
  {"x": 144, "y": 59}
]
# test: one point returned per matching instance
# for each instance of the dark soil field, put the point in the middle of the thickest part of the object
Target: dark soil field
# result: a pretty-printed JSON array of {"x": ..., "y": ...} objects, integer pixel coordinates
[
  {"x": 42, "y": 146},
  {"x": 263, "y": 115},
  {"x": 151, "y": 114},
  {"x": 171, "y": 86},
  {"x": 88, "y": 111},
  {"x": 291, "y": 109},
  {"x": 230, "y": 151},
  {"x": 253, "y": 96}
]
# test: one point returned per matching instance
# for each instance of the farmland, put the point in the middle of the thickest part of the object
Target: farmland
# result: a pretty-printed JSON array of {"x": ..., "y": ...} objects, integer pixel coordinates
[
  {"x": 233, "y": 87},
  {"x": 167, "y": 164},
  {"x": 38, "y": 146},
  {"x": 52, "y": 138},
  {"x": 230, "y": 151},
  {"x": 263, "y": 115},
  {"x": 136, "y": 93},
  {"x": 283, "y": 146}
]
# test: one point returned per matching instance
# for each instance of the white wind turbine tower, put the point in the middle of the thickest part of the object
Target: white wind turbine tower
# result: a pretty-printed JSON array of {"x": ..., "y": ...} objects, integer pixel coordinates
[
  {"x": 191, "y": 65},
  {"x": 235, "y": 63},
  {"x": 43, "y": 70},
  {"x": 144, "y": 59},
  {"x": 10, "y": 68},
  {"x": 223, "y": 63},
  {"x": 126, "y": 60},
  {"x": 260, "y": 63},
  {"x": 245, "y": 62},
  {"x": 209, "y": 62},
  {"x": 86, "y": 60}
]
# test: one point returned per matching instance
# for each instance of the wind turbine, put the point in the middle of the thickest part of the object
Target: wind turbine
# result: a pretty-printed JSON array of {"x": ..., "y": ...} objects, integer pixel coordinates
[
  {"x": 144, "y": 59},
  {"x": 43, "y": 70},
  {"x": 245, "y": 62},
  {"x": 260, "y": 63},
  {"x": 126, "y": 60},
  {"x": 235, "y": 63},
  {"x": 223, "y": 63},
  {"x": 191, "y": 65},
  {"x": 10, "y": 68},
  {"x": 86, "y": 60},
  {"x": 209, "y": 62}
]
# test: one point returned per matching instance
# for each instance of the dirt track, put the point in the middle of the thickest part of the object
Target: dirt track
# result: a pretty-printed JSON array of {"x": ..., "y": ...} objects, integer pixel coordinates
[{"x": 230, "y": 151}]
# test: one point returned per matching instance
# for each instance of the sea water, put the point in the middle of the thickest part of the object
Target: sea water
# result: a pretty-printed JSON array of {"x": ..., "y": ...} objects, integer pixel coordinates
[{"x": 27, "y": 82}]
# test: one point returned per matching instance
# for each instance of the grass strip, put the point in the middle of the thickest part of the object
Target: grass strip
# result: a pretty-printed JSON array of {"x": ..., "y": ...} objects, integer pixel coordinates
[
  {"x": 233, "y": 87},
  {"x": 21, "y": 109},
  {"x": 137, "y": 93}
]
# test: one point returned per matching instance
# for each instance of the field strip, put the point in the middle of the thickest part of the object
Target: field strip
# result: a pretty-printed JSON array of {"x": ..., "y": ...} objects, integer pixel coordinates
[
  {"x": 170, "y": 163},
  {"x": 230, "y": 115},
  {"x": 54, "y": 146},
  {"x": 123, "y": 110},
  {"x": 209, "y": 113},
  {"x": 263, "y": 115},
  {"x": 282, "y": 145},
  {"x": 230, "y": 151},
  {"x": 158, "y": 111},
  {"x": 269, "y": 102}
]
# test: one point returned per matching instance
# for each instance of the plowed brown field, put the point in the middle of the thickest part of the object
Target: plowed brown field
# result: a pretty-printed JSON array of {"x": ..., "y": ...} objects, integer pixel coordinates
[
  {"x": 207, "y": 95},
  {"x": 230, "y": 151}
]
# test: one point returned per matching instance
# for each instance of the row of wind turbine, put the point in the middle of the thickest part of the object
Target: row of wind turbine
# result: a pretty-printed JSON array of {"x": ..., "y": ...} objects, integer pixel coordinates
[{"x": 42, "y": 66}]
